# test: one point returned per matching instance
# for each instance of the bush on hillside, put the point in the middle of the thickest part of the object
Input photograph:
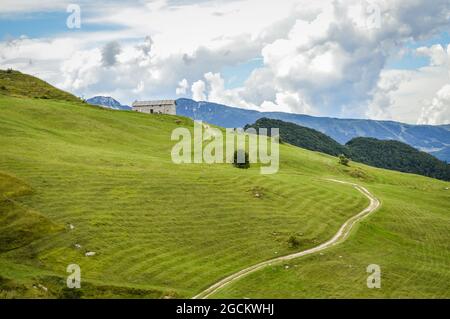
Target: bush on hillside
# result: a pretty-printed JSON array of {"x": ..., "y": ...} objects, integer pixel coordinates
[
  {"x": 293, "y": 241},
  {"x": 343, "y": 160},
  {"x": 243, "y": 165}
]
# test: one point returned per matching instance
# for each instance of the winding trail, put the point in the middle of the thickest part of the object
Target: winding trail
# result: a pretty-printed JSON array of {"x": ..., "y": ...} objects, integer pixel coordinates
[{"x": 339, "y": 237}]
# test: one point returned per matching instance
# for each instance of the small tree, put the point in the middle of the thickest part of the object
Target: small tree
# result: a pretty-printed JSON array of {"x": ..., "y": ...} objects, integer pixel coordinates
[
  {"x": 240, "y": 155},
  {"x": 293, "y": 241},
  {"x": 9, "y": 70},
  {"x": 343, "y": 160}
]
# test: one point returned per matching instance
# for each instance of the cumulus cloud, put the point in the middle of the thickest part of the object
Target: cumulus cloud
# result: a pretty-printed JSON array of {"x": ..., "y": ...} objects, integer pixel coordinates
[
  {"x": 409, "y": 95},
  {"x": 182, "y": 88},
  {"x": 323, "y": 57},
  {"x": 217, "y": 92},
  {"x": 332, "y": 59},
  {"x": 438, "y": 111},
  {"x": 383, "y": 100},
  {"x": 14, "y": 7},
  {"x": 290, "y": 102},
  {"x": 438, "y": 55},
  {"x": 213, "y": 89},
  {"x": 110, "y": 52},
  {"x": 146, "y": 47},
  {"x": 82, "y": 70},
  {"x": 198, "y": 90},
  {"x": 335, "y": 58}
]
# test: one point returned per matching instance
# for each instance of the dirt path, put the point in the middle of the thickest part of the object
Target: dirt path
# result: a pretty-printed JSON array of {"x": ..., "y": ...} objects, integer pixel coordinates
[{"x": 339, "y": 237}]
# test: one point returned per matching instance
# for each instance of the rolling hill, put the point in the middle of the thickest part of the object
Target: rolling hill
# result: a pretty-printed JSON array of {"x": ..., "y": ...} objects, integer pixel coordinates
[
  {"x": 432, "y": 139},
  {"x": 15, "y": 83},
  {"x": 106, "y": 180},
  {"x": 397, "y": 156},
  {"x": 392, "y": 155},
  {"x": 97, "y": 180},
  {"x": 301, "y": 136}
]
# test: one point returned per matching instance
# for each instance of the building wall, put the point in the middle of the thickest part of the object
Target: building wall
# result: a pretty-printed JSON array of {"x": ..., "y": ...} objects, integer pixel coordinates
[{"x": 157, "y": 109}]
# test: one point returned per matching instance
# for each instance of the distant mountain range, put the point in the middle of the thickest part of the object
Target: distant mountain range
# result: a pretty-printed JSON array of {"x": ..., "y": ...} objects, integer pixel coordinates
[
  {"x": 108, "y": 102},
  {"x": 431, "y": 139}
]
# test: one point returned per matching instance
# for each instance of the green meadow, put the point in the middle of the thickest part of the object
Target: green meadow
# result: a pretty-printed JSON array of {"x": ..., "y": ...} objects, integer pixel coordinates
[
  {"x": 76, "y": 178},
  {"x": 162, "y": 228},
  {"x": 408, "y": 237}
]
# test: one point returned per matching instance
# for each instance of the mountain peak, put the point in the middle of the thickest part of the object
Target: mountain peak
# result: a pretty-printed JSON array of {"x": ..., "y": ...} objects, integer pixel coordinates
[{"x": 108, "y": 102}]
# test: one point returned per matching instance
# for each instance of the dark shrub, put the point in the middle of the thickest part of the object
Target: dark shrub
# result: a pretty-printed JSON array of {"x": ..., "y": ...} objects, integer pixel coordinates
[
  {"x": 241, "y": 153},
  {"x": 343, "y": 160},
  {"x": 293, "y": 241}
]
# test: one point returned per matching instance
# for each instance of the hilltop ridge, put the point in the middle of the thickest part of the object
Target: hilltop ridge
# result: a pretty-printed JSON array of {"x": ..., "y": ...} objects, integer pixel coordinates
[{"x": 15, "y": 83}]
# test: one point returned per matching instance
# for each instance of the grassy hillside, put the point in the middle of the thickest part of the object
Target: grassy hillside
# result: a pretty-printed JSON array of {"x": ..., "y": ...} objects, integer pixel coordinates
[
  {"x": 85, "y": 179},
  {"x": 407, "y": 238},
  {"x": 162, "y": 228},
  {"x": 15, "y": 83},
  {"x": 19, "y": 225}
]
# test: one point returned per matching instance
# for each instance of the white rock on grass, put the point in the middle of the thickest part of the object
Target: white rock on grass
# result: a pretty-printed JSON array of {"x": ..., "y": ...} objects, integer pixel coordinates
[
  {"x": 71, "y": 227},
  {"x": 77, "y": 246},
  {"x": 43, "y": 287},
  {"x": 90, "y": 254}
]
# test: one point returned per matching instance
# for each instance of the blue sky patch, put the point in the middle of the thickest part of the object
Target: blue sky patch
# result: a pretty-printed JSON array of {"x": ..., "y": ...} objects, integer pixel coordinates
[
  {"x": 236, "y": 75},
  {"x": 42, "y": 25},
  {"x": 413, "y": 61}
]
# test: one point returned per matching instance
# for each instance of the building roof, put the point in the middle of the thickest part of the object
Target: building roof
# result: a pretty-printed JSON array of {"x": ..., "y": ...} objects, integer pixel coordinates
[{"x": 154, "y": 103}]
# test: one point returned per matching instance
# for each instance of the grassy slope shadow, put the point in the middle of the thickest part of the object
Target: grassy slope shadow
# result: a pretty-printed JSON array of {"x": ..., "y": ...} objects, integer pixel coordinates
[{"x": 19, "y": 226}]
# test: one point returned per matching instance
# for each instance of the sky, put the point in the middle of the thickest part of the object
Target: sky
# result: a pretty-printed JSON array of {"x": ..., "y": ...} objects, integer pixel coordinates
[{"x": 377, "y": 59}]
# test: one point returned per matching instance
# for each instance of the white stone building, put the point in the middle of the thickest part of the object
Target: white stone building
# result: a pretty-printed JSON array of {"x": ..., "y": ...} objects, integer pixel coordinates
[{"x": 156, "y": 107}]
